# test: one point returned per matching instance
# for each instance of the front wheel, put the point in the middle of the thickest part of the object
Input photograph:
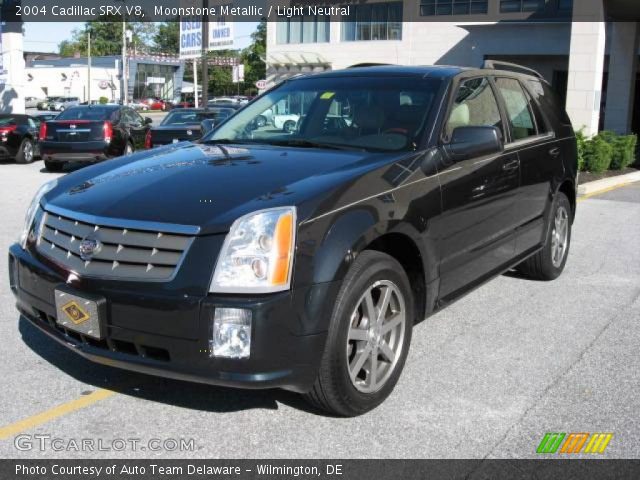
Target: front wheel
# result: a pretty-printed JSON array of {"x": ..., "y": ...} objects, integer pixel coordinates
[
  {"x": 368, "y": 337},
  {"x": 549, "y": 262}
]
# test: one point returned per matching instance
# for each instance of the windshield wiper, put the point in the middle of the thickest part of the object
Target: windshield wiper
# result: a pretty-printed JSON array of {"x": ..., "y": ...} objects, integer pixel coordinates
[{"x": 302, "y": 143}]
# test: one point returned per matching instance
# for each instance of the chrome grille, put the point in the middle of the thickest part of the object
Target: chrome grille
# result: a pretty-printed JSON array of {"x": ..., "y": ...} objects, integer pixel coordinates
[{"x": 124, "y": 253}]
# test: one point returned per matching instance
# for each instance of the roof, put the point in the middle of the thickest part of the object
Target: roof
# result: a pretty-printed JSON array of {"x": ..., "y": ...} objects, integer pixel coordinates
[{"x": 433, "y": 71}]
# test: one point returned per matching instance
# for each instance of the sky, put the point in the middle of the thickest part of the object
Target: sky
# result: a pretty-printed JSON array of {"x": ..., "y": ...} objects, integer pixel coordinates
[{"x": 45, "y": 36}]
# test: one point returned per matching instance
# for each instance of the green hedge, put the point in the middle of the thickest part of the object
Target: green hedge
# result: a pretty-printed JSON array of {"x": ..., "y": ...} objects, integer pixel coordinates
[{"x": 605, "y": 151}]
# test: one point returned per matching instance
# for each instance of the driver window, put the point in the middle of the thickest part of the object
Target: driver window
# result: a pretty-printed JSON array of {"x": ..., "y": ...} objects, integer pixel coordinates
[{"x": 475, "y": 105}]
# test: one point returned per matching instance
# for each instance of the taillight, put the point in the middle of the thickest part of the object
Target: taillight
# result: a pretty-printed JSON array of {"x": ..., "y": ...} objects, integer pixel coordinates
[
  {"x": 108, "y": 132},
  {"x": 147, "y": 140},
  {"x": 43, "y": 130},
  {"x": 5, "y": 130}
]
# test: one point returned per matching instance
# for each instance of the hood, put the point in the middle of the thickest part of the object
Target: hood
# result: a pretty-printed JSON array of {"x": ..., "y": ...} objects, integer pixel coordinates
[{"x": 208, "y": 186}]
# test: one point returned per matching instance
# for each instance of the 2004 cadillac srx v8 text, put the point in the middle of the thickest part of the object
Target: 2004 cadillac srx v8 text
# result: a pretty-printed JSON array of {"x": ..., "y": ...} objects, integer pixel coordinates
[{"x": 257, "y": 258}]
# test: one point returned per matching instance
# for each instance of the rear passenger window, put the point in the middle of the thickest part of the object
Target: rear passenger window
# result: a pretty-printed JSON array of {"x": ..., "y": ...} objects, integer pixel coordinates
[
  {"x": 475, "y": 105},
  {"x": 518, "y": 108}
]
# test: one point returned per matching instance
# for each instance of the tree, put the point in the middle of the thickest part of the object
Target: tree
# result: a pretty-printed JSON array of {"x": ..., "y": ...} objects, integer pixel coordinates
[
  {"x": 106, "y": 37},
  {"x": 166, "y": 38},
  {"x": 253, "y": 56}
]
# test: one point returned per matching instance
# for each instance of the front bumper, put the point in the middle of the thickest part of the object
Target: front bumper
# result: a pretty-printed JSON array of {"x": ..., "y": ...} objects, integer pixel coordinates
[{"x": 168, "y": 335}]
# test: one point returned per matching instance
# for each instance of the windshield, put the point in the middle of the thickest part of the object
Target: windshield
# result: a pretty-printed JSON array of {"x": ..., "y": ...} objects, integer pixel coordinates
[
  {"x": 194, "y": 118},
  {"x": 367, "y": 113},
  {"x": 87, "y": 113}
]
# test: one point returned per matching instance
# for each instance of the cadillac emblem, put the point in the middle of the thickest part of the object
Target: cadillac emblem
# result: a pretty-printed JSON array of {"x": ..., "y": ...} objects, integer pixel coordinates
[{"x": 89, "y": 247}]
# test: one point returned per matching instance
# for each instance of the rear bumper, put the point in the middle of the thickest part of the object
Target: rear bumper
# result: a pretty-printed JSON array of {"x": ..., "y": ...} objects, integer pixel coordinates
[
  {"x": 279, "y": 357},
  {"x": 70, "y": 152}
]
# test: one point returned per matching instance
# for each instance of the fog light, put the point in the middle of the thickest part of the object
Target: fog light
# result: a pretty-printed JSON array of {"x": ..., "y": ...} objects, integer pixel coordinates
[{"x": 231, "y": 333}]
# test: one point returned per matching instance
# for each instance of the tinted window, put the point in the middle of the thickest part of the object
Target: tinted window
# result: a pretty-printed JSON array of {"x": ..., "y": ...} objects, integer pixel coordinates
[
  {"x": 194, "y": 118},
  {"x": 475, "y": 105},
  {"x": 86, "y": 113},
  {"x": 518, "y": 109},
  {"x": 549, "y": 100},
  {"x": 7, "y": 121}
]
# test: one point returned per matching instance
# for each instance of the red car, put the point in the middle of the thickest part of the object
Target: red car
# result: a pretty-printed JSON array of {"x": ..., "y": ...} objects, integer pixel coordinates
[{"x": 156, "y": 103}]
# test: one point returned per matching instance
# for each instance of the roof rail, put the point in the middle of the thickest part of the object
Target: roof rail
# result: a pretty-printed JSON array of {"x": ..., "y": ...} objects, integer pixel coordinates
[{"x": 494, "y": 64}]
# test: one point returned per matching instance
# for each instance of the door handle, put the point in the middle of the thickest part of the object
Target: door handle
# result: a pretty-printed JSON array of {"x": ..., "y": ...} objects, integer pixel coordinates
[
  {"x": 512, "y": 165},
  {"x": 554, "y": 152}
]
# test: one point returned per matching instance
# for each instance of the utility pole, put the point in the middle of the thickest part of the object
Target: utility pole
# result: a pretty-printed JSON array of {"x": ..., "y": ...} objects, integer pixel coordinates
[
  {"x": 195, "y": 82},
  {"x": 125, "y": 82},
  {"x": 89, "y": 66},
  {"x": 205, "y": 51}
]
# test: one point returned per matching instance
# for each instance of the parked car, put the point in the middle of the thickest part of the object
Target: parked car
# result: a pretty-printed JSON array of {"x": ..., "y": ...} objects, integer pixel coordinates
[
  {"x": 44, "y": 105},
  {"x": 254, "y": 258},
  {"x": 139, "y": 106},
  {"x": 91, "y": 133},
  {"x": 32, "y": 102},
  {"x": 62, "y": 103},
  {"x": 156, "y": 103},
  {"x": 18, "y": 138},
  {"x": 184, "y": 124},
  {"x": 286, "y": 122}
]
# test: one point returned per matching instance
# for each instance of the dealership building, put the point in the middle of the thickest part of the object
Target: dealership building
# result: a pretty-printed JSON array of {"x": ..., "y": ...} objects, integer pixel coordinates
[
  {"x": 148, "y": 76},
  {"x": 580, "y": 46}
]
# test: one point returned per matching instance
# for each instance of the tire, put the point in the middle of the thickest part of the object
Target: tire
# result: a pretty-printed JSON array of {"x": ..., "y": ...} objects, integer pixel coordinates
[
  {"x": 334, "y": 391},
  {"x": 26, "y": 152},
  {"x": 289, "y": 126},
  {"x": 261, "y": 121},
  {"x": 53, "y": 166},
  {"x": 549, "y": 262}
]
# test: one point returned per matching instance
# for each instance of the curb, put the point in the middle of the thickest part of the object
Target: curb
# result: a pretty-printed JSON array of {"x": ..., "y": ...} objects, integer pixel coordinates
[{"x": 597, "y": 186}]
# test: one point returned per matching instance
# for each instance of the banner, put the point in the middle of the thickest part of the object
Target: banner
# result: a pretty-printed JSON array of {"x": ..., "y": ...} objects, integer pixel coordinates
[{"x": 190, "y": 37}]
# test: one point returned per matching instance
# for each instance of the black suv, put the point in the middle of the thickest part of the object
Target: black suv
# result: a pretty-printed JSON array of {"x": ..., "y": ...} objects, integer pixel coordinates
[{"x": 256, "y": 258}]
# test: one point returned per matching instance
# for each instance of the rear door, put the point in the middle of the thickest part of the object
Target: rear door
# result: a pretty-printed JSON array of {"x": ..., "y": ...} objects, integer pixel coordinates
[
  {"x": 476, "y": 229},
  {"x": 536, "y": 146}
]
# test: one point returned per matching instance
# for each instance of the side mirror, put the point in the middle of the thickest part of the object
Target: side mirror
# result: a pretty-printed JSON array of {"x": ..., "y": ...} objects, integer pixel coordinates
[
  {"x": 471, "y": 142},
  {"x": 148, "y": 121},
  {"x": 207, "y": 125}
]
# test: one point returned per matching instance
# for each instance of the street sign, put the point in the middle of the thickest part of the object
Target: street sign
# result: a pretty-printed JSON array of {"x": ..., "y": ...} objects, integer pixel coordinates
[
  {"x": 261, "y": 84},
  {"x": 220, "y": 34},
  {"x": 238, "y": 73},
  {"x": 190, "y": 37}
]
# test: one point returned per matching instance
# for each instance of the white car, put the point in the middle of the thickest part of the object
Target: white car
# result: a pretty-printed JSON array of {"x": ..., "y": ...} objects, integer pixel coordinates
[
  {"x": 287, "y": 122},
  {"x": 61, "y": 104},
  {"x": 139, "y": 106}
]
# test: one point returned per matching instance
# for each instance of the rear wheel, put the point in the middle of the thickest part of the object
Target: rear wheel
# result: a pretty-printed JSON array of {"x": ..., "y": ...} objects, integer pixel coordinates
[
  {"x": 289, "y": 126},
  {"x": 368, "y": 337},
  {"x": 53, "y": 166},
  {"x": 26, "y": 152},
  {"x": 549, "y": 262}
]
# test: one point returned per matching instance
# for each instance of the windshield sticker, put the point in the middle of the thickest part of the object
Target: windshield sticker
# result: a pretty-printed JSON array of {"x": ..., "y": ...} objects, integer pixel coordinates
[{"x": 327, "y": 95}]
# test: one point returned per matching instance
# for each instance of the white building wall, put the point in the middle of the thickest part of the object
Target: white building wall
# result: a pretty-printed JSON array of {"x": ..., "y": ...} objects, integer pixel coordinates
[{"x": 72, "y": 81}]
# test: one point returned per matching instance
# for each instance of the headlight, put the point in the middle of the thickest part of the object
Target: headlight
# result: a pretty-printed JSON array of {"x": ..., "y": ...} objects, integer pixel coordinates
[
  {"x": 257, "y": 254},
  {"x": 33, "y": 208}
]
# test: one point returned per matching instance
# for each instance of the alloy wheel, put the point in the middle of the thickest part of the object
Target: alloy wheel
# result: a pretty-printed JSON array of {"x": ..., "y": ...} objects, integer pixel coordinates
[
  {"x": 376, "y": 336},
  {"x": 559, "y": 236},
  {"x": 27, "y": 150}
]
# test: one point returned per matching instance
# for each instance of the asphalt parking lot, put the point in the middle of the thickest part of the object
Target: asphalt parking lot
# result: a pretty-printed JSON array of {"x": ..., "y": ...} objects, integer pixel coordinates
[{"x": 485, "y": 378}]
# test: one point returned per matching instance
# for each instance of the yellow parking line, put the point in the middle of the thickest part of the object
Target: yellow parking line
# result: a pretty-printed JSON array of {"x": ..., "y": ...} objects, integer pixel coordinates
[
  {"x": 53, "y": 413},
  {"x": 604, "y": 190}
]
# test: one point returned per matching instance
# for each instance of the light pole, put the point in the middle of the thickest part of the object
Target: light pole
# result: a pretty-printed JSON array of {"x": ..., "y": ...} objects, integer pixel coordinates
[
  {"x": 89, "y": 66},
  {"x": 125, "y": 83}
]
